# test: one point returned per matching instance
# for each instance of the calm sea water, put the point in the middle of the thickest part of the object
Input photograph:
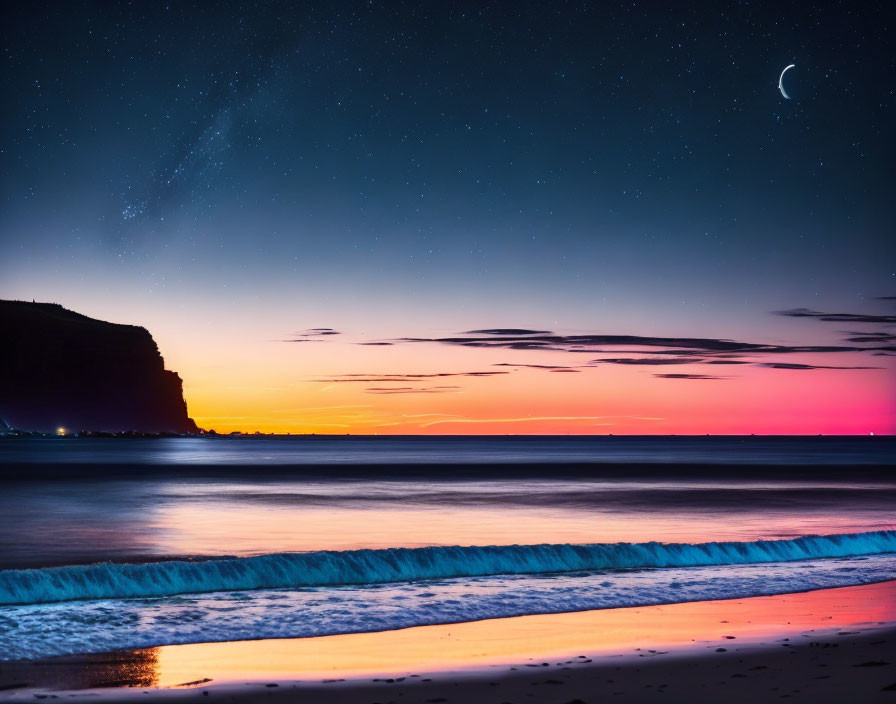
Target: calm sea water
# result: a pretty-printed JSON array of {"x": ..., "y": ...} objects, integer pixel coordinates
[
  {"x": 585, "y": 513},
  {"x": 366, "y": 450},
  {"x": 139, "y": 499}
]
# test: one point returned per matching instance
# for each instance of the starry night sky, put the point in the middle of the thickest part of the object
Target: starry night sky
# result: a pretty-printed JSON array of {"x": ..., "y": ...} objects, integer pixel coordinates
[{"x": 230, "y": 174}]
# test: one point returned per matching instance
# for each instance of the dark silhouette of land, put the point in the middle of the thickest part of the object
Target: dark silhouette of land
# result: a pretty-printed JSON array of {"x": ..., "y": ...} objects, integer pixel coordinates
[{"x": 61, "y": 369}]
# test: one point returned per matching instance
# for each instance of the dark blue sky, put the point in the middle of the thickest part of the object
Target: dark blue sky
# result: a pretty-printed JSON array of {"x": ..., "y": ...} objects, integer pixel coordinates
[{"x": 425, "y": 168}]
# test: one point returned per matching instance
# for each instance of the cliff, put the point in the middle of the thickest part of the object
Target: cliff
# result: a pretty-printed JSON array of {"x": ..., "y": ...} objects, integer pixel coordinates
[{"x": 62, "y": 369}]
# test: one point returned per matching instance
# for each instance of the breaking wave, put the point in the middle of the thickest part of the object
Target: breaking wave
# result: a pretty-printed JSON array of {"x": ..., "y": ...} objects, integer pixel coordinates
[{"x": 359, "y": 567}]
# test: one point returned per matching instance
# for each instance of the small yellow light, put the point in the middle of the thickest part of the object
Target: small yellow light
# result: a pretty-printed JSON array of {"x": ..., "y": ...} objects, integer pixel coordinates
[{"x": 60, "y": 431}]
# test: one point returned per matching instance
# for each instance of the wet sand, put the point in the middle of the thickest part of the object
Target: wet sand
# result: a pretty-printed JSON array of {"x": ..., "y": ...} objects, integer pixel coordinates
[{"x": 823, "y": 646}]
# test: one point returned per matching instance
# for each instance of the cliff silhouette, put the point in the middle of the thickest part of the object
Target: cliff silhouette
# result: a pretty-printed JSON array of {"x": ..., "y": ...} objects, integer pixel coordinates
[{"x": 59, "y": 368}]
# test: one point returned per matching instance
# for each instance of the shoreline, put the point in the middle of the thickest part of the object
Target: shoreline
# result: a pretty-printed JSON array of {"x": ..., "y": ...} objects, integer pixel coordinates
[
  {"x": 680, "y": 652},
  {"x": 836, "y": 668}
]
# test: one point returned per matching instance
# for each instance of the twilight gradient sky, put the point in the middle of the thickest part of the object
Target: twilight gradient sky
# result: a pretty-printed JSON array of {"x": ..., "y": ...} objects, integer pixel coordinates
[{"x": 237, "y": 177}]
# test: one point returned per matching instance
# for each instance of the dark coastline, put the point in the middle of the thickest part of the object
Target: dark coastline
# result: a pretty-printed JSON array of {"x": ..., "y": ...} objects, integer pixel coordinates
[{"x": 61, "y": 368}]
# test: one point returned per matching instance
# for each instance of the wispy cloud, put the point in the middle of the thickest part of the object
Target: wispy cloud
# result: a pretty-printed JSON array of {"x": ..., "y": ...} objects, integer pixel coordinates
[
  {"x": 548, "y": 367},
  {"x": 312, "y": 335},
  {"x": 839, "y": 317},
  {"x": 791, "y": 365},
  {"x": 647, "y": 361},
  {"x": 703, "y": 377},
  {"x": 598, "y": 343},
  {"x": 431, "y": 415},
  {"x": 412, "y": 389},
  {"x": 530, "y": 419},
  {"x": 630, "y": 350},
  {"x": 871, "y": 337},
  {"x": 651, "y": 351},
  {"x": 398, "y": 378},
  {"x": 315, "y": 409},
  {"x": 508, "y": 331}
]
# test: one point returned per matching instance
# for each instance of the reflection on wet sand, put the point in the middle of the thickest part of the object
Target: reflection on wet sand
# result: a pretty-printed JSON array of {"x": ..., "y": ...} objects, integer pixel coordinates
[
  {"x": 630, "y": 631},
  {"x": 129, "y": 668}
]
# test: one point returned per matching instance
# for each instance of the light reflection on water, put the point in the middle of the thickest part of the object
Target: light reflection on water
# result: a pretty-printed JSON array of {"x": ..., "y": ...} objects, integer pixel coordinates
[
  {"x": 138, "y": 499},
  {"x": 372, "y": 450},
  {"x": 62, "y": 522}
]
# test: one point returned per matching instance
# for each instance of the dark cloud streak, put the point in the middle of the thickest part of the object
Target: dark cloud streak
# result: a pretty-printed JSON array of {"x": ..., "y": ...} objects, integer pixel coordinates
[
  {"x": 838, "y": 317},
  {"x": 508, "y": 331},
  {"x": 401, "y": 378},
  {"x": 647, "y": 361},
  {"x": 702, "y": 377},
  {"x": 789, "y": 365},
  {"x": 386, "y": 390}
]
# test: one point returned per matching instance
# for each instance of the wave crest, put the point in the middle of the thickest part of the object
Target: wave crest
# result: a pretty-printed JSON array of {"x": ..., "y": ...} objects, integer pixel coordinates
[{"x": 332, "y": 568}]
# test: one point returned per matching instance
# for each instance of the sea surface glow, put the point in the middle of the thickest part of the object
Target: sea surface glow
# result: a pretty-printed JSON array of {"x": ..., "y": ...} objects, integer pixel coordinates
[{"x": 79, "y": 502}]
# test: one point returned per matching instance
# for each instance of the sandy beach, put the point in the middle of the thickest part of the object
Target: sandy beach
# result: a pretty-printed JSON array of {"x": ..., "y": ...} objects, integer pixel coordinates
[{"x": 821, "y": 646}]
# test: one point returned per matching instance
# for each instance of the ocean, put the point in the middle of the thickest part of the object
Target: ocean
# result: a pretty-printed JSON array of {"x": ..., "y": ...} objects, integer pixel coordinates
[{"x": 121, "y": 543}]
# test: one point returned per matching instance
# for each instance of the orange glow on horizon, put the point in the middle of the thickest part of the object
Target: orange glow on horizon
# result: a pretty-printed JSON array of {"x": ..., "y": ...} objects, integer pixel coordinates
[
  {"x": 241, "y": 375},
  {"x": 285, "y": 396}
]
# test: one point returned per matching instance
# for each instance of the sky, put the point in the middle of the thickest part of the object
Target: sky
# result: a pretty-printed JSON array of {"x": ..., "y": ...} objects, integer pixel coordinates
[{"x": 496, "y": 217}]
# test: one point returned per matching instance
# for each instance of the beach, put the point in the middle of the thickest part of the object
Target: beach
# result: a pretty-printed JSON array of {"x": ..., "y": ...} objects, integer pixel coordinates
[
  {"x": 245, "y": 569},
  {"x": 823, "y": 646}
]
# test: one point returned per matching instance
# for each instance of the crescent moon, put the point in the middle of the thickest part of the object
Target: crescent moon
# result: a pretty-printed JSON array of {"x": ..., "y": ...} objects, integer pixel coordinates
[{"x": 781, "y": 81}]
